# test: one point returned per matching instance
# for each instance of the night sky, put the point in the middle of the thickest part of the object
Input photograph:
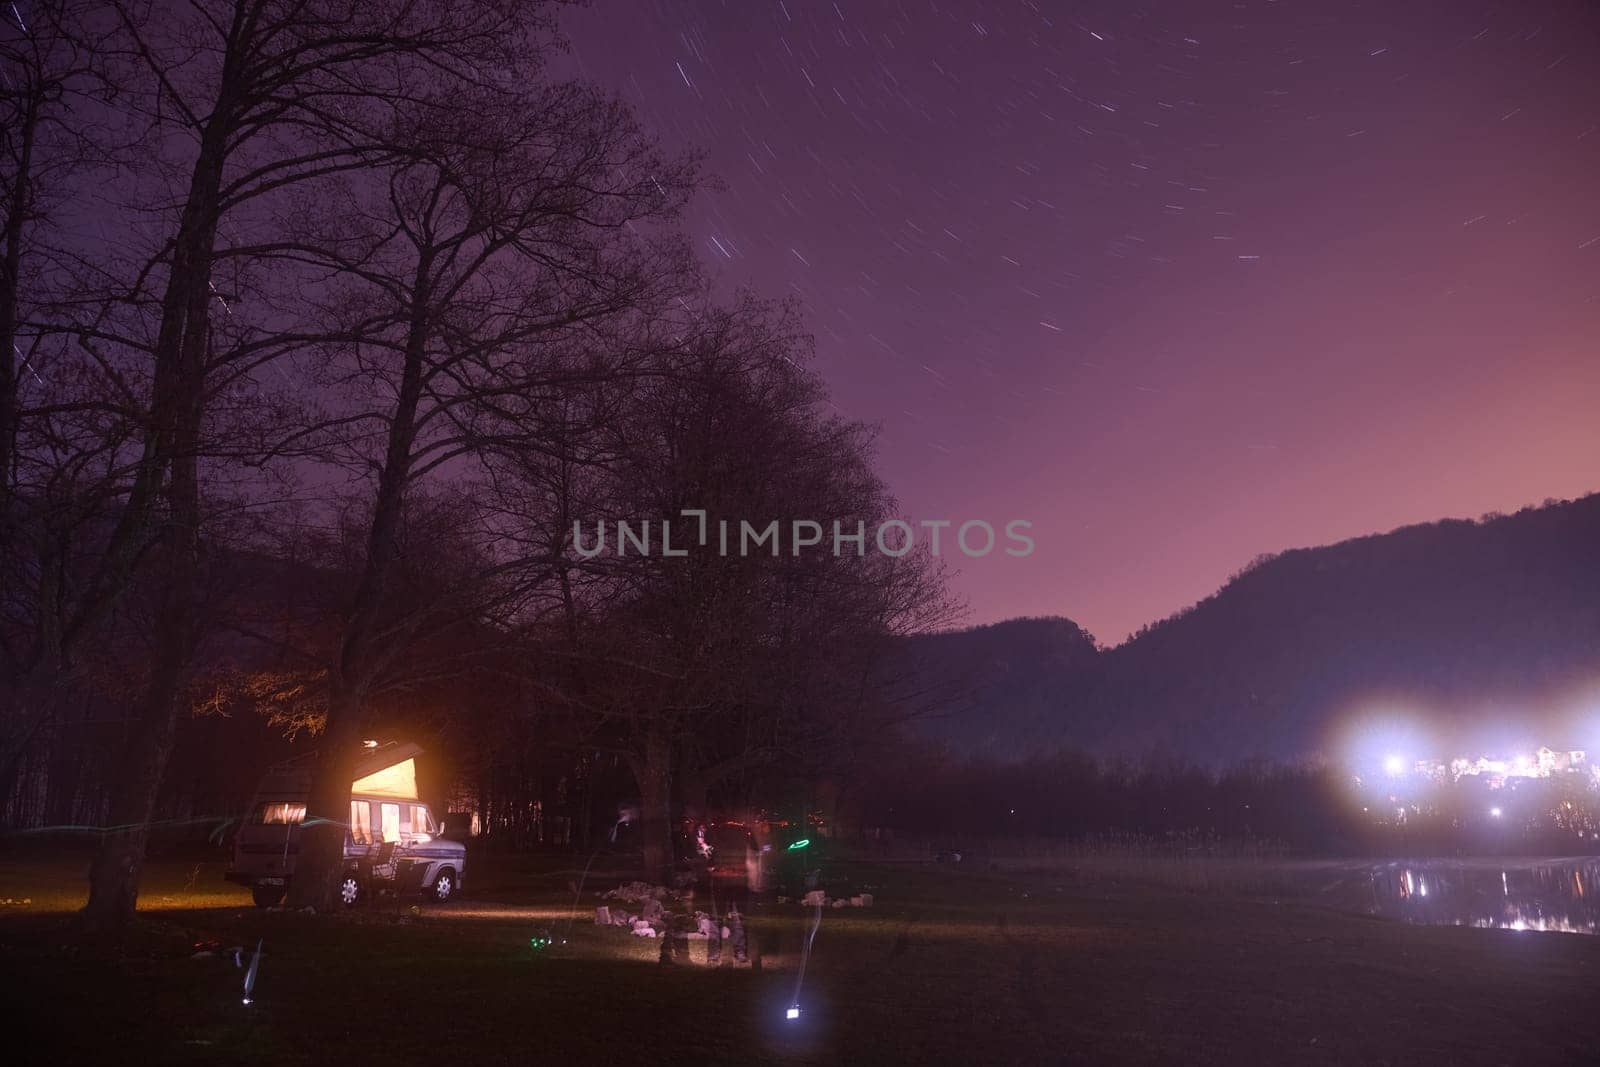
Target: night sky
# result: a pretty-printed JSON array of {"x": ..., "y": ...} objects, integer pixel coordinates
[{"x": 1180, "y": 283}]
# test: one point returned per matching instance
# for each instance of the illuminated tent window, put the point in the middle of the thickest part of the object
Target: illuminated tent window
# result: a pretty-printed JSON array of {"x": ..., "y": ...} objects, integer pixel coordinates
[
  {"x": 361, "y": 822},
  {"x": 391, "y": 822},
  {"x": 398, "y": 780},
  {"x": 415, "y": 821},
  {"x": 280, "y": 814}
]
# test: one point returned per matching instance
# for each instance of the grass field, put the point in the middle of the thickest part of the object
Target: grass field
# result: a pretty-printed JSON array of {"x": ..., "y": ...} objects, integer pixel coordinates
[{"x": 950, "y": 966}]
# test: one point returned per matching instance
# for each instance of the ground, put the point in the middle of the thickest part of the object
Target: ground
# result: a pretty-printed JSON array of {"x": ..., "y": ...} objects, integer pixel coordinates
[{"x": 951, "y": 965}]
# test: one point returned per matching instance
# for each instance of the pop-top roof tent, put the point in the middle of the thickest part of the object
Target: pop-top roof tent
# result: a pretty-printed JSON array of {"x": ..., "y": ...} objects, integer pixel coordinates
[
  {"x": 383, "y": 771},
  {"x": 390, "y": 771}
]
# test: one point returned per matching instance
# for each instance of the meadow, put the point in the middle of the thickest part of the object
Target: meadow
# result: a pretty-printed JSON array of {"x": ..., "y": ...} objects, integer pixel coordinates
[{"x": 1042, "y": 963}]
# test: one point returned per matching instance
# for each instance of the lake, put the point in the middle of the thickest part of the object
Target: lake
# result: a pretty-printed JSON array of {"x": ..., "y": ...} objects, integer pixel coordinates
[{"x": 1558, "y": 895}]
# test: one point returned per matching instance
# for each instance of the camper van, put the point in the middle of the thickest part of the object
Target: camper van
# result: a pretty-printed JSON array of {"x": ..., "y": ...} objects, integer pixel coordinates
[{"x": 391, "y": 841}]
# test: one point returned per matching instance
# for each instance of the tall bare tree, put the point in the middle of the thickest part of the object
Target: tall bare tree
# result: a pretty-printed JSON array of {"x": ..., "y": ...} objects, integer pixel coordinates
[
  {"x": 61, "y": 444},
  {"x": 252, "y": 102},
  {"x": 732, "y": 657},
  {"x": 506, "y": 265}
]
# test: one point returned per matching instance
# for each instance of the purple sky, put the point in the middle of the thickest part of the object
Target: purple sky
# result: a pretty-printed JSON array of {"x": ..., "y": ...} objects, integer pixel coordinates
[{"x": 1180, "y": 283}]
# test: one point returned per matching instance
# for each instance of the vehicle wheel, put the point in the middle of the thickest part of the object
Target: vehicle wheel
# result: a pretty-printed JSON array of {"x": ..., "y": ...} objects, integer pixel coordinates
[
  {"x": 266, "y": 896},
  {"x": 350, "y": 891},
  {"x": 444, "y": 886}
]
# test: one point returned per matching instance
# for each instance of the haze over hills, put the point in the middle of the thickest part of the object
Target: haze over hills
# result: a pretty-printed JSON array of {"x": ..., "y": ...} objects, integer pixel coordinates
[{"x": 1486, "y": 632}]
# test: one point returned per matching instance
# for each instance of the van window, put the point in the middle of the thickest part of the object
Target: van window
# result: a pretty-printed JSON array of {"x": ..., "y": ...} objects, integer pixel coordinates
[
  {"x": 361, "y": 822},
  {"x": 391, "y": 822},
  {"x": 279, "y": 814},
  {"x": 416, "y": 820}
]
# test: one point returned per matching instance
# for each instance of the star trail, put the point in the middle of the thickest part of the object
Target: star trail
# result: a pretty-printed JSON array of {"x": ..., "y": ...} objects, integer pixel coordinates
[{"x": 1180, "y": 283}]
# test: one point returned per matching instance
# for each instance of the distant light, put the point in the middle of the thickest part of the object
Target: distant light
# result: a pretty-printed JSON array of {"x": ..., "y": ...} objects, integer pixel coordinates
[
  {"x": 792, "y": 1013},
  {"x": 1394, "y": 766},
  {"x": 247, "y": 1001},
  {"x": 802, "y": 843},
  {"x": 1495, "y": 812}
]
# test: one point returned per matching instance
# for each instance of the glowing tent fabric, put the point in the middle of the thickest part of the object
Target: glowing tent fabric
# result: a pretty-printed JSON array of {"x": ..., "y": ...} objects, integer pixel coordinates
[
  {"x": 387, "y": 771},
  {"x": 398, "y": 781}
]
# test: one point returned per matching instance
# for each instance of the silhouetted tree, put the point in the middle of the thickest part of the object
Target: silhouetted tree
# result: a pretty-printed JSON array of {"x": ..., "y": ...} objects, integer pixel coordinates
[
  {"x": 507, "y": 263},
  {"x": 708, "y": 658},
  {"x": 251, "y": 102}
]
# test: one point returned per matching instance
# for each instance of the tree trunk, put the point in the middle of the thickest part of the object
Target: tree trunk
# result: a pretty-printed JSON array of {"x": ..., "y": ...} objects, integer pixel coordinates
[
  {"x": 654, "y": 773},
  {"x": 320, "y": 865},
  {"x": 10, "y": 282},
  {"x": 114, "y": 874},
  {"x": 172, "y": 444}
]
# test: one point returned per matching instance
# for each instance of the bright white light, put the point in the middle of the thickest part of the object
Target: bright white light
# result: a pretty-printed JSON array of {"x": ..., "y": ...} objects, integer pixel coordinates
[
  {"x": 1394, "y": 766},
  {"x": 247, "y": 1000},
  {"x": 1495, "y": 812},
  {"x": 792, "y": 1013}
]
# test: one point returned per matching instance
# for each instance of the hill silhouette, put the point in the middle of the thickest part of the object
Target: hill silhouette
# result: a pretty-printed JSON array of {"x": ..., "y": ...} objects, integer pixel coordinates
[
  {"x": 1003, "y": 686},
  {"x": 1487, "y": 631}
]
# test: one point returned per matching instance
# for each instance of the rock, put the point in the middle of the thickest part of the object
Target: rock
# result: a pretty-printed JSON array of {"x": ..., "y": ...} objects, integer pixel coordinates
[{"x": 602, "y": 916}]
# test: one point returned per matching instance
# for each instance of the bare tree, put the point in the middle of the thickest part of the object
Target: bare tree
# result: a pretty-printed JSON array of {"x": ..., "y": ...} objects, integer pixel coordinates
[
  {"x": 508, "y": 264},
  {"x": 731, "y": 658},
  {"x": 61, "y": 445},
  {"x": 251, "y": 102}
]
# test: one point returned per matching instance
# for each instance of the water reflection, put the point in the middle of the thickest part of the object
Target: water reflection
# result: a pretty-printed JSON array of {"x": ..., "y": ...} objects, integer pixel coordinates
[{"x": 1559, "y": 895}]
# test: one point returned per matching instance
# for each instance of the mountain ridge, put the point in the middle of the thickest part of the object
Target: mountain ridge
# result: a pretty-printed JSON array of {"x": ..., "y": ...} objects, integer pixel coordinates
[{"x": 1451, "y": 622}]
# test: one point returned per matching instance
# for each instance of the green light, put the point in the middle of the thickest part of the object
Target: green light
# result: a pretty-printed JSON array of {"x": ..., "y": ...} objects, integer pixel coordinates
[{"x": 802, "y": 843}]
